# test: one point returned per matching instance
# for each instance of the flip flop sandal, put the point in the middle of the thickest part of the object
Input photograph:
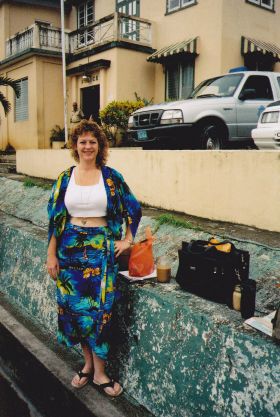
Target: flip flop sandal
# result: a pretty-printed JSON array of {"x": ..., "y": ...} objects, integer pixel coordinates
[
  {"x": 109, "y": 384},
  {"x": 81, "y": 375}
]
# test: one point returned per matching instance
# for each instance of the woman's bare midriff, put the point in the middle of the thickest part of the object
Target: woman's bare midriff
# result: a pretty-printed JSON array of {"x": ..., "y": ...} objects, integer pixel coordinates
[{"x": 89, "y": 221}]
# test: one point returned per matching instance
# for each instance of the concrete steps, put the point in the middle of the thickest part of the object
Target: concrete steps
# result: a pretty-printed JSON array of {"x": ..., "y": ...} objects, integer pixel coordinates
[{"x": 8, "y": 163}]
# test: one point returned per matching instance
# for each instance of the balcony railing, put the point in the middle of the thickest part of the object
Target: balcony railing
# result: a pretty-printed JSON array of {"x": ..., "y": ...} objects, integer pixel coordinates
[
  {"x": 115, "y": 27},
  {"x": 35, "y": 36}
]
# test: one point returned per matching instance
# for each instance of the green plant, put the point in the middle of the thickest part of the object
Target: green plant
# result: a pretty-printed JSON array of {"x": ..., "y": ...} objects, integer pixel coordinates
[
  {"x": 146, "y": 101},
  {"x": 114, "y": 119},
  {"x": 30, "y": 182},
  {"x": 6, "y": 81},
  {"x": 57, "y": 134},
  {"x": 176, "y": 222}
]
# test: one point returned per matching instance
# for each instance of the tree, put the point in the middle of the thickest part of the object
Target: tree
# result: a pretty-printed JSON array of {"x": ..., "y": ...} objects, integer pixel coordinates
[{"x": 6, "y": 81}]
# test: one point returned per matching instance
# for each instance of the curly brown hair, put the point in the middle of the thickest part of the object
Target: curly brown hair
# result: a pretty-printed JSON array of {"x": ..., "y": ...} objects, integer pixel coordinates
[{"x": 93, "y": 128}]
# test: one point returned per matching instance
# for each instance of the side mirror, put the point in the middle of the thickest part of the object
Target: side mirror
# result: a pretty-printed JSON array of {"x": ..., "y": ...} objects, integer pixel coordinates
[{"x": 248, "y": 94}]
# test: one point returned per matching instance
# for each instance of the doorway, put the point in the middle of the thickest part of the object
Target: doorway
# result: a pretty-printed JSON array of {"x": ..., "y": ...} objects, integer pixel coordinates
[{"x": 90, "y": 99}]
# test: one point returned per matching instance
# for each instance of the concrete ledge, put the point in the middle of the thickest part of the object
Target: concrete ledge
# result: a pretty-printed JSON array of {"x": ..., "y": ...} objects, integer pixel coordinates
[
  {"x": 234, "y": 186},
  {"x": 177, "y": 354}
]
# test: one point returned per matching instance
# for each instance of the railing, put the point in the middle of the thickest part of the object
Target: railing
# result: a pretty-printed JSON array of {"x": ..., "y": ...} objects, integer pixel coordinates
[
  {"x": 114, "y": 27},
  {"x": 35, "y": 36},
  {"x": 20, "y": 42}
]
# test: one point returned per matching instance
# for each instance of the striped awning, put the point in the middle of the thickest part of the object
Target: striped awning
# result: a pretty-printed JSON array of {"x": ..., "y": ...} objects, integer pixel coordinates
[
  {"x": 190, "y": 47},
  {"x": 249, "y": 45}
]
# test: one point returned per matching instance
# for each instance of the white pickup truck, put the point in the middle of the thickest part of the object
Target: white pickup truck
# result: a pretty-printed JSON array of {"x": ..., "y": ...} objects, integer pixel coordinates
[{"x": 220, "y": 110}]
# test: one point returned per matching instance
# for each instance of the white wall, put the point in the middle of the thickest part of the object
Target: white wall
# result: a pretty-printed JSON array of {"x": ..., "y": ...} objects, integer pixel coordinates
[{"x": 236, "y": 186}]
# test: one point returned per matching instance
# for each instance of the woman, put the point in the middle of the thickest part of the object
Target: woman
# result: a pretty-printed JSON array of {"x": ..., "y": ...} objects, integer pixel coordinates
[{"x": 86, "y": 211}]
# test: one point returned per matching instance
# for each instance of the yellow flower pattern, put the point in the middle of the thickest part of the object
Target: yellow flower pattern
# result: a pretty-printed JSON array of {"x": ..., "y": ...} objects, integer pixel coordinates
[{"x": 90, "y": 272}]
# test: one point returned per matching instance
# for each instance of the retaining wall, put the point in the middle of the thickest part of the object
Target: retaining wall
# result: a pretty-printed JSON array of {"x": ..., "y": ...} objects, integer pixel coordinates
[
  {"x": 236, "y": 186},
  {"x": 177, "y": 354}
]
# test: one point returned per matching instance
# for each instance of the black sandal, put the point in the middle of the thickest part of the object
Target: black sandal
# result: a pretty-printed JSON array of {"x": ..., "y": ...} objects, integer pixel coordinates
[
  {"x": 81, "y": 375},
  {"x": 109, "y": 384}
]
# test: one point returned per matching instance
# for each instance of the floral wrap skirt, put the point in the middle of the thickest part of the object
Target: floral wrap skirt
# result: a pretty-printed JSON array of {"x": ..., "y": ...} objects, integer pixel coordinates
[{"x": 86, "y": 287}]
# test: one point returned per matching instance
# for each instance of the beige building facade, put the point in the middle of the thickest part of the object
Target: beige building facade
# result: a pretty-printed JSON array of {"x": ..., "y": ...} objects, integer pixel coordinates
[{"x": 158, "y": 49}]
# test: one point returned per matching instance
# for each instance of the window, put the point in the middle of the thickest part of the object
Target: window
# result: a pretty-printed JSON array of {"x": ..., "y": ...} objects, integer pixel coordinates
[
  {"x": 130, "y": 7},
  {"x": 266, "y": 4},
  {"x": 21, "y": 102},
  {"x": 261, "y": 86},
  {"x": 259, "y": 62},
  {"x": 173, "y": 5},
  {"x": 278, "y": 79},
  {"x": 129, "y": 28},
  {"x": 179, "y": 80},
  {"x": 224, "y": 86},
  {"x": 86, "y": 17}
]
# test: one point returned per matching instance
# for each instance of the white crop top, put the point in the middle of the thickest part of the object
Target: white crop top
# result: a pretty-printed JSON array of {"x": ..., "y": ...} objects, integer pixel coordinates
[{"x": 86, "y": 200}]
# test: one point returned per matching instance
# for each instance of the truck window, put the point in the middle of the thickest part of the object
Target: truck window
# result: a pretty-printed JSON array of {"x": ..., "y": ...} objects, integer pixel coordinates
[
  {"x": 278, "y": 79},
  {"x": 261, "y": 85},
  {"x": 223, "y": 86}
]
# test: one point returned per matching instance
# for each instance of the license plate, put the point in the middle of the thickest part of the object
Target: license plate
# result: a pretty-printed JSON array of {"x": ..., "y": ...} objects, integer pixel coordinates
[{"x": 142, "y": 135}]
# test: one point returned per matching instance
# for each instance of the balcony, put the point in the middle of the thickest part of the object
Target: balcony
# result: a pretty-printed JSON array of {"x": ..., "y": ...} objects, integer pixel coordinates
[
  {"x": 37, "y": 36},
  {"x": 112, "y": 28}
]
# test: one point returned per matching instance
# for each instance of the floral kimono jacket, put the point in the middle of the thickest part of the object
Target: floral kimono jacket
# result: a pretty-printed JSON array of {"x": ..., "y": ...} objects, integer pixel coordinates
[
  {"x": 85, "y": 301},
  {"x": 121, "y": 204}
]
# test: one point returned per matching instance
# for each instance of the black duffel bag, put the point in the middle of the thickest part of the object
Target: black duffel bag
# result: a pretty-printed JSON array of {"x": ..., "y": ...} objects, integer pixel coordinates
[{"x": 210, "y": 273}]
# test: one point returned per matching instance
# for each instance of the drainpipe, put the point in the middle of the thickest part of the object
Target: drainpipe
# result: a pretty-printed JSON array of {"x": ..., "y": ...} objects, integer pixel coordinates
[{"x": 64, "y": 68}]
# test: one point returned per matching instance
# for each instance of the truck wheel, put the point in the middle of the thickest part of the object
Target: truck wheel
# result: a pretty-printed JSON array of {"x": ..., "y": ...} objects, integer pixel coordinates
[{"x": 212, "y": 136}]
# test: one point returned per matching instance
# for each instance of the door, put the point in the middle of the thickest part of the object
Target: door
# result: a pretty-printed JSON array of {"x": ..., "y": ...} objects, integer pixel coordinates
[
  {"x": 86, "y": 17},
  {"x": 260, "y": 94},
  {"x": 129, "y": 28},
  {"x": 91, "y": 102}
]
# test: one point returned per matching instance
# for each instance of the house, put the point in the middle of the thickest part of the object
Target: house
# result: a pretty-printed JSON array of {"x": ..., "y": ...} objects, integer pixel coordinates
[{"x": 158, "y": 49}]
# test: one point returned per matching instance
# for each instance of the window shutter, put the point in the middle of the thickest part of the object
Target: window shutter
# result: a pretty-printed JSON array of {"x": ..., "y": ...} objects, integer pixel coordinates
[
  {"x": 21, "y": 102},
  {"x": 173, "y": 79}
]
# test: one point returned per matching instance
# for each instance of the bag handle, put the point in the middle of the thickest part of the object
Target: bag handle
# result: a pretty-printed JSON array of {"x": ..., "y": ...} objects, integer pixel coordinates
[{"x": 206, "y": 249}]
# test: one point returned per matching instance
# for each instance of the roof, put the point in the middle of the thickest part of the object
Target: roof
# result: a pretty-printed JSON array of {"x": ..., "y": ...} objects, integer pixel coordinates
[{"x": 187, "y": 46}]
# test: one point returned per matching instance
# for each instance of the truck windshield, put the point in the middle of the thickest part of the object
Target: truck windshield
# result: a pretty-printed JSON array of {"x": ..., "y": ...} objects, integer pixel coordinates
[{"x": 223, "y": 86}]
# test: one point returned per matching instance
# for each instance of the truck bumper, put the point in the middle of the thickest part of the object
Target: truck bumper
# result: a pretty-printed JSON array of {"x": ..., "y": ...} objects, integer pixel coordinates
[{"x": 169, "y": 135}]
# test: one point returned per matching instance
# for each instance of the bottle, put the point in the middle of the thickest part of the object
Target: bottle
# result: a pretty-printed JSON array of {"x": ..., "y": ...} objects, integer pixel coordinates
[
  {"x": 163, "y": 269},
  {"x": 236, "y": 298}
]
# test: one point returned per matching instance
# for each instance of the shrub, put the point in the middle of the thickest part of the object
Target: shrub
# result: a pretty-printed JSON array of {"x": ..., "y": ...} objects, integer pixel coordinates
[
  {"x": 114, "y": 119},
  {"x": 145, "y": 100},
  {"x": 57, "y": 134}
]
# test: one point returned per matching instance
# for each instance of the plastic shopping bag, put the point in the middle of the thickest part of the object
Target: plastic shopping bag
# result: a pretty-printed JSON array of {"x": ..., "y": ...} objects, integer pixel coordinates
[{"x": 141, "y": 261}]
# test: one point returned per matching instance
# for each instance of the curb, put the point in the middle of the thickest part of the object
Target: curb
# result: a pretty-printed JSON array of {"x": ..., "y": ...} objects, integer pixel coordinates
[{"x": 44, "y": 377}]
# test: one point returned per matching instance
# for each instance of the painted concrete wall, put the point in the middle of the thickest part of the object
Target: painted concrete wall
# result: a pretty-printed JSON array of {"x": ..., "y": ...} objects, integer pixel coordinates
[
  {"x": 177, "y": 354},
  {"x": 246, "y": 20},
  {"x": 236, "y": 186},
  {"x": 19, "y": 16},
  {"x": 45, "y": 103}
]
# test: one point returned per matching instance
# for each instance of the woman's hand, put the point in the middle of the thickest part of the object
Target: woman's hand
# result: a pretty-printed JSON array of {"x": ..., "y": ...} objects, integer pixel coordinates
[
  {"x": 52, "y": 266},
  {"x": 120, "y": 246}
]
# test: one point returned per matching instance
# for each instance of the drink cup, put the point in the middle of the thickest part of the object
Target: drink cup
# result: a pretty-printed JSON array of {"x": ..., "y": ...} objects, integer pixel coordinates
[{"x": 163, "y": 269}]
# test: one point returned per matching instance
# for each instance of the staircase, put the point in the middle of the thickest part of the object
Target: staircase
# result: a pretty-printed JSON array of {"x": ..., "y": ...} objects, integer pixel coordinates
[{"x": 7, "y": 163}]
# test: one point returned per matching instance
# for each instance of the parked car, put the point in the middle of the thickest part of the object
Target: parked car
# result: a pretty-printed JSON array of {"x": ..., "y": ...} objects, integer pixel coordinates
[
  {"x": 220, "y": 111},
  {"x": 267, "y": 133}
]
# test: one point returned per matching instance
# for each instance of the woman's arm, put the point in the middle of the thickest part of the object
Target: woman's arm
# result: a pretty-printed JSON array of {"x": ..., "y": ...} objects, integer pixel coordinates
[
  {"x": 52, "y": 261},
  {"x": 121, "y": 245}
]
